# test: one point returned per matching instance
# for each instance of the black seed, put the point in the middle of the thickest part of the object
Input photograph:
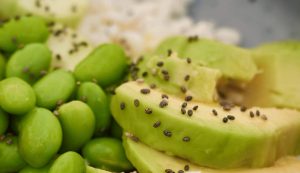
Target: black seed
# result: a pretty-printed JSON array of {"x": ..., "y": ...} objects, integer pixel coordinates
[
  {"x": 195, "y": 108},
  {"x": 187, "y": 77},
  {"x": 83, "y": 98},
  {"x": 251, "y": 114},
  {"x": 243, "y": 108},
  {"x": 58, "y": 57},
  {"x": 160, "y": 64},
  {"x": 145, "y": 91},
  {"x": 145, "y": 74},
  {"x": 122, "y": 106},
  {"x": 186, "y": 139},
  {"x": 225, "y": 120},
  {"x": 180, "y": 171},
  {"x": 264, "y": 117},
  {"x": 152, "y": 86},
  {"x": 214, "y": 112},
  {"x": 136, "y": 103},
  {"x": 186, "y": 167},
  {"x": 167, "y": 133},
  {"x": 166, "y": 77},
  {"x": 257, "y": 113},
  {"x": 164, "y": 96},
  {"x": 169, "y": 171},
  {"x": 9, "y": 141},
  {"x": 156, "y": 124},
  {"x": 169, "y": 52},
  {"x": 188, "y": 60},
  {"x": 183, "y": 111},
  {"x": 183, "y": 89},
  {"x": 188, "y": 98},
  {"x": 184, "y": 105},
  {"x": 230, "y": 117},
  {"x": 163, "y": 103},
  {"x": 148, "y": 111},
  {"x": 190, "y": 112}
]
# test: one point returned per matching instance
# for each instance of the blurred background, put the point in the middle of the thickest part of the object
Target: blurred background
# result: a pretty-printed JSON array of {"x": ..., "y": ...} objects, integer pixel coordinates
[{"x": 257, "y": 20}]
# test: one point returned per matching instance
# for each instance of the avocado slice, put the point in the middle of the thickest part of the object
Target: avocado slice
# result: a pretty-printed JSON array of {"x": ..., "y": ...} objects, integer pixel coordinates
[
  {"x": 277, "y": 84},
  {"x": 148, "y": 160},
  {"x": 206, "y": 134},
  {"x": 67, "y": 12},
  {"x": 68, "y": 47},
  {"x": 235, "y": 63},
  {"x": 176, "y": 76}
]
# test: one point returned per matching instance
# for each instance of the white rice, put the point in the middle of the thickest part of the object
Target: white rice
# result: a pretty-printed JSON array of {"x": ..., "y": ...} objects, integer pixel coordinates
[{"x": 139, "y": 25}]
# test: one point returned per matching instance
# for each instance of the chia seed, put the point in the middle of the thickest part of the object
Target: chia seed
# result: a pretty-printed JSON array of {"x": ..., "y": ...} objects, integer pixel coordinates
[
  {"x": 251, "y": 114},
  {"x": 187, "y": 78},
  {"x": 195, "y": 108},
  {"x": 145, "y": 91},
  {"x": 230, "y": 117},
  {"x": 167, "y": 133},
  {"x": 183, "y": 89},
  {"x": 136, "y": 102},
  {"x": 122, "y": 106},
  {"x": 188, "y": 98},
  {"x": 243, "y": 108},
  {"x": 156, "y": 124},
  {"x": 186, "y": 167},
  {"x": 183, "y": 111},
  {"x": 225, "y": 120},
  {"x": 160, "y": 64},
  {"x": 190, "y": 112},
  {"x": 163, "y": 103},
  {"x": 164, "y": 96},
  {"x": 214, "y": 112},
  {"x": 186, "y": 139}
]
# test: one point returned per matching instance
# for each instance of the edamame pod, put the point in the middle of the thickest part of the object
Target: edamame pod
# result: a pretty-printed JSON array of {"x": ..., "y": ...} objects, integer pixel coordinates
[
  {"x": 95, "y": 97},
  {"x": 16, "y": 96},
  {"x": 78, "y": 124},
  {"x": 69, "y": 162},
  {"x": 107, "y": 154},
  {"x": 20, "y": 31},
  {"x": 40, "y": 137},
  {"x": 2, "y": 67},
  {"x": 29, "y": 63},
  {"x": 10, "y": 159},
  {"x": 3, "y": 121},
  {"x": 106, "y": 64},
  {"x": 54, "y": 89}
]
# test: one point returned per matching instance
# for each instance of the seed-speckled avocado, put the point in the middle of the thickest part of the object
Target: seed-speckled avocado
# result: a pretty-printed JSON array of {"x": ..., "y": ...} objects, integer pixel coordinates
[
  {"x": 206, "y": 134},
  {"x": 148, "y": 160}
]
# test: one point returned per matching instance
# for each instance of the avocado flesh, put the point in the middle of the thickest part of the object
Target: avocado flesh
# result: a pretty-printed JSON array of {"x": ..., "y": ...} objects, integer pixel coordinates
[
  {"x": 201, "y": 82},
  {"x": 64, "y": 54},
  {"x": 67, "y": 12},
  {"x": 234, "y": 63},
  {"x": 243, "y": 142},
  {"x": 277, "y": 84},
  {"x": 148, "y": 160}
]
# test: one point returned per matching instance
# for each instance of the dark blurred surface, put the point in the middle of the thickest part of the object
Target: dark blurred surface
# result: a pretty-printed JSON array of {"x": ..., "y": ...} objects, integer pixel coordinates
[{"x": 257, "y": 21}]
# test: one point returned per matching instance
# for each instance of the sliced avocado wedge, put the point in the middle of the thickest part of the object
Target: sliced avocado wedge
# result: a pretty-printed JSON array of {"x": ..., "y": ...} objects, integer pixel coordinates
[
  {"x": 176, "y": 76},
  {"x": 148, "y": 160},
  {"x": 206, "y": 135},
  {"x": 278, "y": 82},
  {"x": 235, "y": 63},
  {"x": 68, "y": 47},
  {"x": 67, "y": 12}
]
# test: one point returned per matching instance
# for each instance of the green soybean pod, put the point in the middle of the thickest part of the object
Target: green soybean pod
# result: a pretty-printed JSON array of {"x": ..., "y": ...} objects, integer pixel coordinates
[
  {"x": 29, "y": 169},
  {"x": 2, "y": 67},
  {"x": 20, "y": 31},
  {"x": 54, "y": 89},
  {"x": 68, "y": 162},
  {"x": 108, "y": 154},
  {"x": 10, "y": 159},
  {"x": 40, "y": 137},
  {"x": 78, "y": 124},
  {"x": 16, "y": 96},
  {"x": 106, "y": 64},
  {"x": 29, "y": 63},
  {"x": 95, "y": 97},
  {"x": 3, "y": 121}
]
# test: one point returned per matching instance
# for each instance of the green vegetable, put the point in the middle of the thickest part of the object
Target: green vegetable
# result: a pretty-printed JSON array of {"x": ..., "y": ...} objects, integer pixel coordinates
[
  {"x": 78, "y": 124},
  {"x": 40, "y": 137},
  {"x": 69, "y": 162},
  {"x": 54, "y": 89},
  {"x": 96, "y": 98},
  {"x": 21, "y": 31},
  {"x": 30, "y": 63},
  {"x": 16, "y": 96},
  {"x": 106, "y": 64},
  {"x": 3, "y": 121},
  {"x": 107, "y": 154},
  {"x": 10, "y": 159}
]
